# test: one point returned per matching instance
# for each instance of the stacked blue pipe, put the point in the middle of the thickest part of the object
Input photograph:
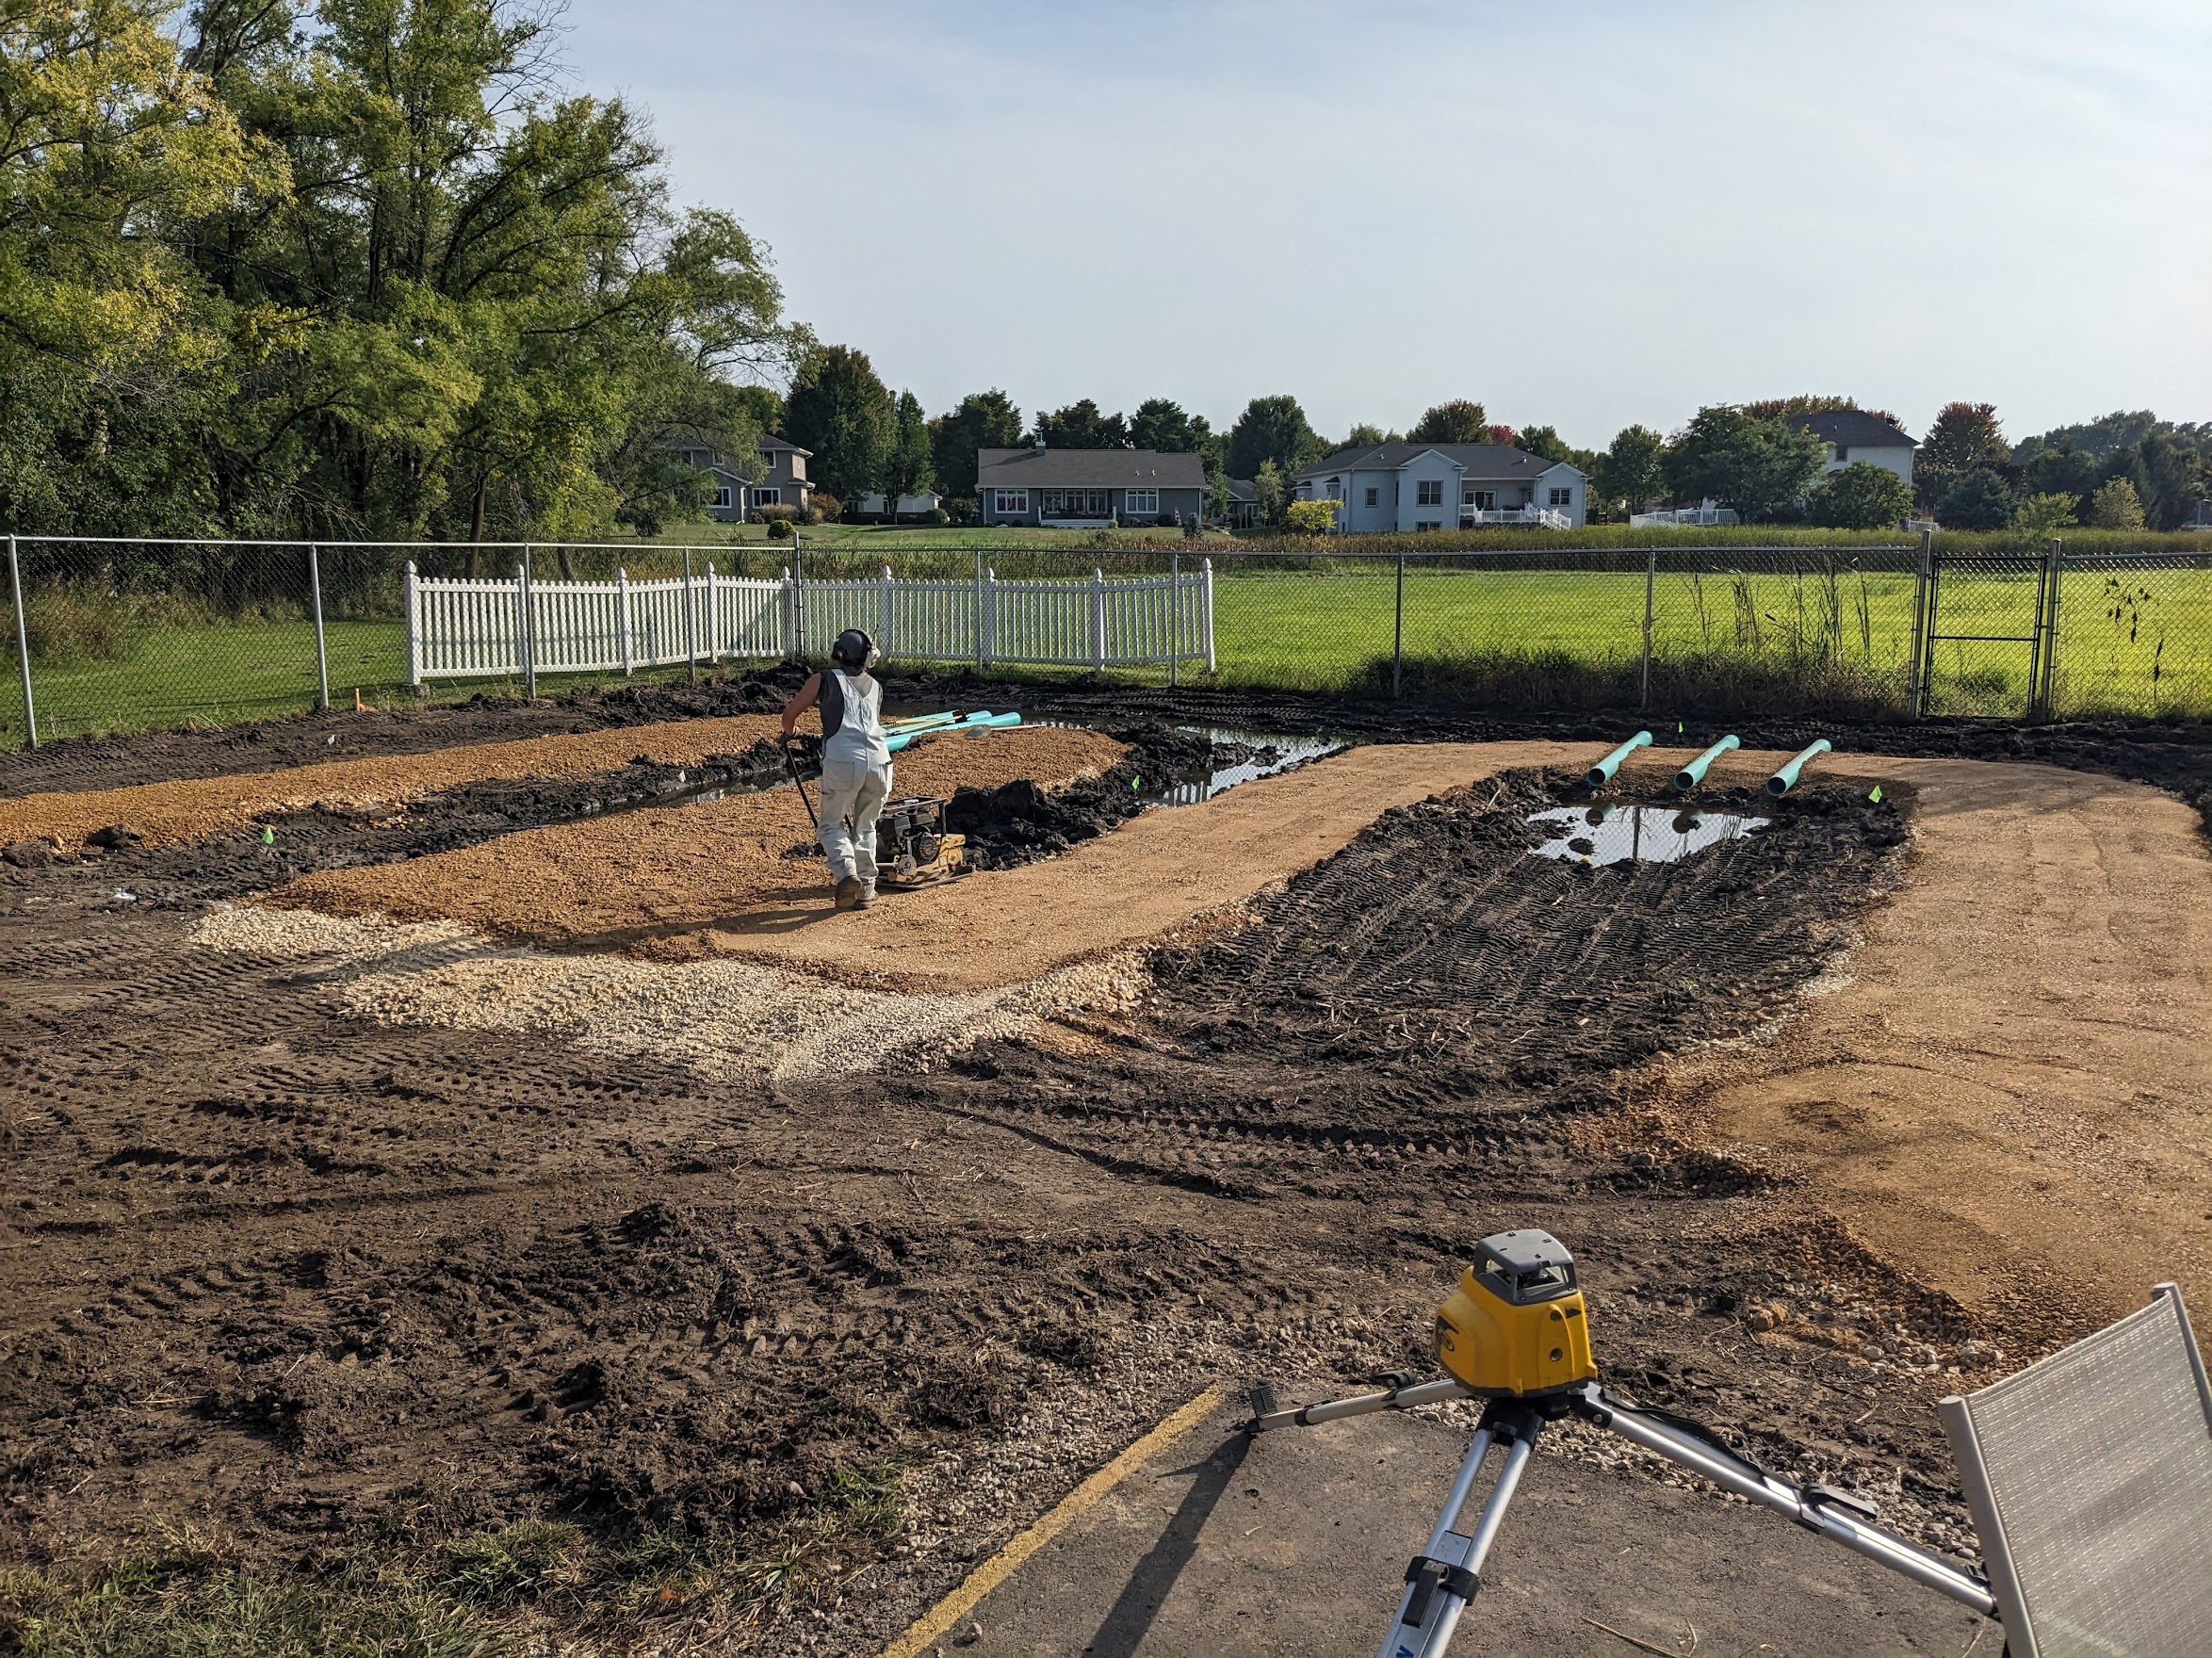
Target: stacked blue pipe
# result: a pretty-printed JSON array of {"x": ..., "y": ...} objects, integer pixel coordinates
[{"x": 905, "y": 731}]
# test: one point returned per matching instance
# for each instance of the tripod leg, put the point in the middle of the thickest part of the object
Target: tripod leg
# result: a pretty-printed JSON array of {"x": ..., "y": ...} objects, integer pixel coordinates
[{"x": 1445, "y": 1575}]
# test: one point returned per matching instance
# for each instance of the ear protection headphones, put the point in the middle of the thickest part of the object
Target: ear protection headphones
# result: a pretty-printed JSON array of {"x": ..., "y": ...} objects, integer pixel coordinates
[{"x": 854, "y": 651}]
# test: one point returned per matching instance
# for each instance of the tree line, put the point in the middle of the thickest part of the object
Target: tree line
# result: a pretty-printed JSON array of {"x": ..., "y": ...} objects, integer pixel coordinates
[{"x": 345, "y": 270}]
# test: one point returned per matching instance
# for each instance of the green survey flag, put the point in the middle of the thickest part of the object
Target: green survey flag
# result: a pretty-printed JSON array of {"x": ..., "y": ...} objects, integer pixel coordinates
[
  {"x": 1876, "y": 796},
  {"x": 268, "y": 837}
]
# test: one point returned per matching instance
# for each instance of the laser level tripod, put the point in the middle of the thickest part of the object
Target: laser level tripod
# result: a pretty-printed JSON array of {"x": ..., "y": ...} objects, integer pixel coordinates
[{"x": 1515, "y": 1332}]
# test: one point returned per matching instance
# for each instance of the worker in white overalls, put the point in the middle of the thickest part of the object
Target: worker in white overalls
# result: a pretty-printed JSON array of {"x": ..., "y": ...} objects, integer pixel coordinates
[{"x": 855, "y": 763}]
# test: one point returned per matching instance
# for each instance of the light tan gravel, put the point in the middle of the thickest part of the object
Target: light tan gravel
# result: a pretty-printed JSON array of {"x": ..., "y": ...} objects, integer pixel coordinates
[{"x": 734, "y": 1021}]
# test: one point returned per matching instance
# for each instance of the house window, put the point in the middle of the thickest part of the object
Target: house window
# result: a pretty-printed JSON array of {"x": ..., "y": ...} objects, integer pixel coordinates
[
  {"x": 1009, "y": 500},
  {"x": 1140, "y": 503},
  {"x": 1843, "y": 453},
  {"x": 1484, "y": 499},
  {"x": 1371, "y": 496},
  {"x": 768, "y": 497},
  {"x": 722, "y": 497},
  {"x": 1563, "y": 497},
  {"x": 1336, "y": 489},
  {"x": 1072, "y": 503},
  {"x": 1429, "y": 524},
  {"x": 1429, "y": 492}
]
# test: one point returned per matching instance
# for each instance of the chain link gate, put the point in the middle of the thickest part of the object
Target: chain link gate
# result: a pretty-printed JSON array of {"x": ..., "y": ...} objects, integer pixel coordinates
[{"x": 1984, "y": 599}]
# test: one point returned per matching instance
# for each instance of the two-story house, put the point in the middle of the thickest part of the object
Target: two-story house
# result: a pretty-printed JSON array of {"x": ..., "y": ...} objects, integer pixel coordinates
[
  {"x": 1088, "y": 488},
  {"x": 781, "y": 483},
  {"x": 1852, "y": 434},
  {"x": 1392, "y": 488}
]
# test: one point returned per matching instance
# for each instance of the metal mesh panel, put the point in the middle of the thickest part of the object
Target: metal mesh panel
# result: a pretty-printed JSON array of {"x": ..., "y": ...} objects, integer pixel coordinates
[{"x": 2095, "y": 1467}]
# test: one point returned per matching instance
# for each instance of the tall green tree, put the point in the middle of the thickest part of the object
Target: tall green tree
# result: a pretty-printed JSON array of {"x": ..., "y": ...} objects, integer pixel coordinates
[
  {"x": 841, "y": 411},
  {"x": 1965, "y": 437},
  {"x": 984, "y": 420},
  {"x": 1272, "y": 429},
  {"x": 1163, "y": 424},
  {"x": 1754, "y": 465},
  {"x": 1366, "y": 435},
  {"x": 1460, "y": 421},
  {"x": 1082, "y": 425},
  {"x": 1629, "y": 473},
  {"x": 425, "y": 292},
  {"x": 912, "y": 468}
]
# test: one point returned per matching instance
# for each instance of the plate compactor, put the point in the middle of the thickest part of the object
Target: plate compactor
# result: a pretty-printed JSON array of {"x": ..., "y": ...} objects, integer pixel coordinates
[
  {"x": 912, "y": 847},
  {"x": 1515, "y": 1333}
]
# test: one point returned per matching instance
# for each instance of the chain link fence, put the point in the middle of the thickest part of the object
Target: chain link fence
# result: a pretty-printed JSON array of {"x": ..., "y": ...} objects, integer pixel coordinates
[{"x": 112, "y": 636}]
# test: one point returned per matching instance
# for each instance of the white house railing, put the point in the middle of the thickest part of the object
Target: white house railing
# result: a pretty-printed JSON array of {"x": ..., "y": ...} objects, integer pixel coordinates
[
  {"x": 463, "y": 629},
  {"x": 1548, "y": 517},
  {"x": 1708, "y": 514}
]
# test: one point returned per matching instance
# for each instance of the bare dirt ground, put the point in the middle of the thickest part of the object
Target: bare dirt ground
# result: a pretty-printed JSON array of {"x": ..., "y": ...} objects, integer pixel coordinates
[
  {"x": 278, "y": 1268},
  {"x": 652, "y": 876},
  {"x": 2012, "y": 1079}
]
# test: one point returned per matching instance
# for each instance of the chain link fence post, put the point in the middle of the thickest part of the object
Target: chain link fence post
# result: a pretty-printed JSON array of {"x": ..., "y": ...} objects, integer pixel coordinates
[
  {"x": 1651, "y": 581},
  {"x": 1923, "y": 604},
  {"x": 1398, "y": 635},
  {"x": 23, "y": 644},
  {"x": 322, "y": 654}
]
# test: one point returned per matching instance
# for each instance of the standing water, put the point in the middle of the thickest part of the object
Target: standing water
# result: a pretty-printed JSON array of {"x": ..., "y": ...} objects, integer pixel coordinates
[{"x": 1598, "y": 836}]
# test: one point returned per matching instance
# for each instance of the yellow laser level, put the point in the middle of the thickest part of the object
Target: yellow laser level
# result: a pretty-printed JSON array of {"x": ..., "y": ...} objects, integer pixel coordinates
[{"x": 1515, "y": 1327}]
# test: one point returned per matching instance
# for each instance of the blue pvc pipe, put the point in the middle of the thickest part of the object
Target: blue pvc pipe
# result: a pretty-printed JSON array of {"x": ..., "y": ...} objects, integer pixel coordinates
[
  {"x": 899, "y": 740},
  {"x": 1601, "y": 774},
  {"x": 1786, "y": 779},
  {"x": 1694, "y": 773}
]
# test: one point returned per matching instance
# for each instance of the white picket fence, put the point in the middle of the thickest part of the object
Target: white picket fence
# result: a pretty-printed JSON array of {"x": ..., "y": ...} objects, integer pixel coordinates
[{"x": 463, "y": 629}]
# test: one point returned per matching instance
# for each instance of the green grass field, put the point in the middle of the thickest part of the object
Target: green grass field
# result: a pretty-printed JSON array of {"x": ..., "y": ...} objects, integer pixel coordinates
[{"x": 2130, "y": 642}]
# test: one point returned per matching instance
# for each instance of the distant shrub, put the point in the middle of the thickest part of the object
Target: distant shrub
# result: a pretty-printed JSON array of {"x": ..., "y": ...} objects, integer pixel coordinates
[
  {"x": 782, "y": 528},
  {"x": 825, "y": 507},
  {"x": 1980, "y": 501},
  {"x": 774, "y": 515},
  {"x": 938, "y": 516},
  {"x": 2116, "y": 506},
  {"x": 2042, "y": 514},
  {"x": 1311, "y": 517},
  {"x": 1860, "y": 495}
]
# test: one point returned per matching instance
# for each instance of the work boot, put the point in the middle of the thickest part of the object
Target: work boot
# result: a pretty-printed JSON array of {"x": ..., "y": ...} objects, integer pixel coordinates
[
  {"x": 867, "y": 900},
  {"x": 852, "y": 895}
]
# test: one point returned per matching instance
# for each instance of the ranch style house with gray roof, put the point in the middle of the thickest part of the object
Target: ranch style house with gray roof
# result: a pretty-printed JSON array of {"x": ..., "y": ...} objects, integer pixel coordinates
[
  {"x": 1088, "y": 488},
  {"x": 1394, "y": 488}
]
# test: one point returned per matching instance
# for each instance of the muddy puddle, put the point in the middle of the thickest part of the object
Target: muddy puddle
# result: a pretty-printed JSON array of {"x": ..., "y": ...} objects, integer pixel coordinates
[{"x": 1602, "y": 834}]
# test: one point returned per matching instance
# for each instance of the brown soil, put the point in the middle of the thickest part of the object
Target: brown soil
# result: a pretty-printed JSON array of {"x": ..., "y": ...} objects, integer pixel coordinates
[
  {"x": 1156, "y": 873},
  {"x": 626, "y": 880},
  {"x": 191, "y": 808},
  {"x": 275, "y": 1266},
  {"x": 2012, "y": 1086}
]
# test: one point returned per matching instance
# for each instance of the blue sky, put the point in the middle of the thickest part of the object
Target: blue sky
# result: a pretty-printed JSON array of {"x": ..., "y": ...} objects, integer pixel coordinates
[{"x": 1584, "y": 214}]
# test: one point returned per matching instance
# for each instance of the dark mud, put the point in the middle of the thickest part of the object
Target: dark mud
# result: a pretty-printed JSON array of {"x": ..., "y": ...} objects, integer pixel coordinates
[{"x": 1021, "y": 822}]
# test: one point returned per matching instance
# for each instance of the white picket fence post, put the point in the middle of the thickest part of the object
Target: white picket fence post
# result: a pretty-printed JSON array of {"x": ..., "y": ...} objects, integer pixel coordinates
[
  {"x": 788, "y": 610},
  {"x": 1206, "y": 613},
  {"x": 885, "y": 621},
  {"x": 414, "y": 628},
  {"x": 990, "y": 618},
  {"x": 713, "y": 621},
  {"x": 1098, "y": 620},
  {"x": 621, "y": 618}
]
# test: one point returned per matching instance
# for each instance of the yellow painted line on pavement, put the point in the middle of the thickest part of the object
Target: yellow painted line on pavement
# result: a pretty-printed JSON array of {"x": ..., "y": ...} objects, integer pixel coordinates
[{"x": 1070, "y": 1508}]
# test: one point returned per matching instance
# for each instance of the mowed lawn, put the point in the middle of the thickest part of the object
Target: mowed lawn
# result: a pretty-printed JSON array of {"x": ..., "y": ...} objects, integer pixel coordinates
[{"x": 2130, "y": 641}]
